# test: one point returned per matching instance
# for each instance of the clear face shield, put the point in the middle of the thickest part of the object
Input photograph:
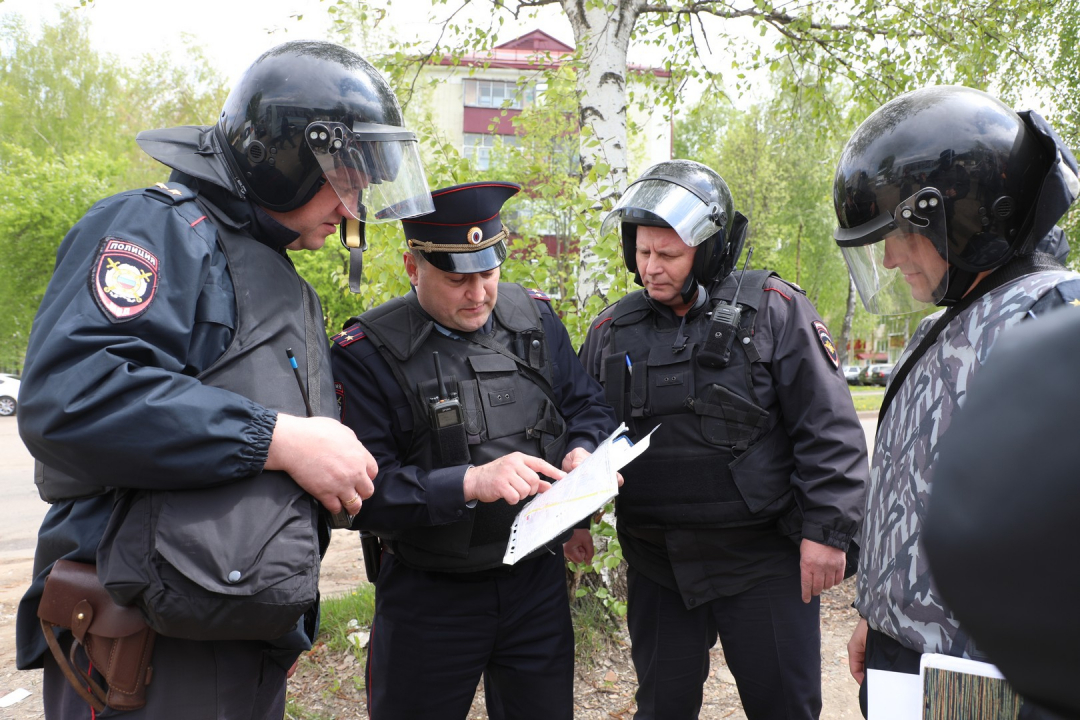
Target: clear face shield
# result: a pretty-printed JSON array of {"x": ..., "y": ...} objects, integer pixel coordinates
[
  {"x": 374, "y": 169},
  {"x": 694, "y": 221},
  {"x": 900, "y": 263}
]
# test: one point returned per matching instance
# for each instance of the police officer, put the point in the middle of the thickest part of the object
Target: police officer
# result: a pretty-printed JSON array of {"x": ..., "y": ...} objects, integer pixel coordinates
[
  {"x": 467, "y": 392},
  {"x": 157, "y": 374},
  {"x": 741, "y": 512},
  {"x": 975, "y": 250}
]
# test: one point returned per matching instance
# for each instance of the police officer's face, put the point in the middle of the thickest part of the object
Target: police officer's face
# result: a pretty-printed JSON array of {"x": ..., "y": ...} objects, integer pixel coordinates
[
  {"x": 922, "y": 266},
  {"x": 664, "y": 262},
  {"x": 457, "y": 301},
  {"x": 314, "y": 220}
]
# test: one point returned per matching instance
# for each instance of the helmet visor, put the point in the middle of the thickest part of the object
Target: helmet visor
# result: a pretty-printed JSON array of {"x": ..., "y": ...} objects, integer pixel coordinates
[
  {"x": 646, "y": 200},
  {"x": 900, "y": 266},
  {"x": 374, "y": 169}
]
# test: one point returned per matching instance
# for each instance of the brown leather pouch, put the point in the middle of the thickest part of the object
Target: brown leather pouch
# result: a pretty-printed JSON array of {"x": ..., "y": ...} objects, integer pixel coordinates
[{"x": 117, "y": 640}]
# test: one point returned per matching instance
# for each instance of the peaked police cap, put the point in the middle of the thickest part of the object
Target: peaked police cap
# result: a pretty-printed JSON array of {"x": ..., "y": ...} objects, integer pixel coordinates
[{"x": 465, "y": 233}]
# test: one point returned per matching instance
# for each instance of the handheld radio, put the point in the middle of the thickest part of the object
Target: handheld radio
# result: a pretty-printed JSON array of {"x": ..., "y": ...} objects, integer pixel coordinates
[{"x": 724, "y": 327}]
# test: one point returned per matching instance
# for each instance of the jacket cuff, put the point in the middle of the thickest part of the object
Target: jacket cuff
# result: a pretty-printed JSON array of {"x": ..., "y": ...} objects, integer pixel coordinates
[
  {"x": 446, "y": 494},
  {"x": 260, "y": 432},
  {"x": 826, "y": 535}
]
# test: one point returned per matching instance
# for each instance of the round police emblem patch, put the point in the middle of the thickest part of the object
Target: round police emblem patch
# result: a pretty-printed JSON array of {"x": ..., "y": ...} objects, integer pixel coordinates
[
  {"x": 827, "y": 343},
  {"x": 125, "y": 279}
]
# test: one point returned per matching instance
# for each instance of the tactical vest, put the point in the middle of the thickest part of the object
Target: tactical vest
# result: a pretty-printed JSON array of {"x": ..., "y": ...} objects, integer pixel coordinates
[
  {"x": 239, "y": 560},
  {"x": 504, "y": 383},
  {"x": 718, "y": 458}
]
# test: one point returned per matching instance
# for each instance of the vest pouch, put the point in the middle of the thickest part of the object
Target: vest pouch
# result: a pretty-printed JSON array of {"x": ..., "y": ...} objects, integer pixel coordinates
[
  {"x": 496, "y": 378},
  {"x": 550, "y": 429},
  {"x": 763, "y": 473},
  {"x": 232, "y": 562},
  {"x": 670, "y": 380},
  {"x": 728, "y": 420},
  {"x": 473, "y": 409}
]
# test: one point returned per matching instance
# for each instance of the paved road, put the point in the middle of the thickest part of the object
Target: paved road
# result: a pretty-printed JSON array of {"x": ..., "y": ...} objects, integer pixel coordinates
[{"x": 21, "y": 510}]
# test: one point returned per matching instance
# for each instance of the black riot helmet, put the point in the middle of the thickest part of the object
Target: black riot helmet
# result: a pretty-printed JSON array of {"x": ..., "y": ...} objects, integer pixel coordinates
[
  {"x": 949, "y": 172},
  {"x": 693, "y": 200},
  {"x": 309, "y": 110}
]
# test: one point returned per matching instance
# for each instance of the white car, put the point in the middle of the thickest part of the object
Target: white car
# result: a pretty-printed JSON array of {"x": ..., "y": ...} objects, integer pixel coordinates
[
  {"x": 9, "y": 395},
  {"x": 851, "y": 374}
]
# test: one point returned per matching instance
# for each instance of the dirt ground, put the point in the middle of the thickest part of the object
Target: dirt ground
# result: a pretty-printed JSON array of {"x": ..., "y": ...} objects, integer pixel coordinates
[{"x": 329, "y": 685}]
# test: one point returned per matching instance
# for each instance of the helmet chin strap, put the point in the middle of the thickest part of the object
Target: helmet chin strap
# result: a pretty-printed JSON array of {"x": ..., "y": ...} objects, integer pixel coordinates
[
  {"x": 689, "y": 291},
  {"x": 959, "y": 283}
]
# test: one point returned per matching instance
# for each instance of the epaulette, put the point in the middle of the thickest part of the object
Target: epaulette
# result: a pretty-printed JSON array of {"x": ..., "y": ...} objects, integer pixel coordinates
[
  {"x": 173, "y": 193},
  {"x": 348, "y": 336},
  {"x": 537, "y": 295},
  {"x": 789, "y": 283}
]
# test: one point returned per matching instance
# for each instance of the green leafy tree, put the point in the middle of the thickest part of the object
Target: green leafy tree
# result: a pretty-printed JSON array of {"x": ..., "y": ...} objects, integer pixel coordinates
[{"x": 68, "y": 119}]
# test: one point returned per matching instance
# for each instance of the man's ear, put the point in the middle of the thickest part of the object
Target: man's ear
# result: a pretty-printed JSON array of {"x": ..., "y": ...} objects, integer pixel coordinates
[{"x": 411, "y": 267}]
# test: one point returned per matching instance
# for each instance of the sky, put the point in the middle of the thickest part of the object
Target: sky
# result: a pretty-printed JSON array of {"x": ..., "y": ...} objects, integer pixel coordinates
[{"x": 233, "y": 32}]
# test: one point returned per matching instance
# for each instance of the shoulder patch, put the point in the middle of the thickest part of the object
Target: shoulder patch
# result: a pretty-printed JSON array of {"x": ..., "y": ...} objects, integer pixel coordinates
[
  {"x": 827, "y": 343},
  {"x": 124, "y": 279},
  {"x": 537, "y": 295},
  {"x": 348, "y": 336}
]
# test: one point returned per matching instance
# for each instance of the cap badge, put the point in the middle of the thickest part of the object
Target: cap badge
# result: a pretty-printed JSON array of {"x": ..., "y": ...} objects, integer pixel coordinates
[{"x": 475, "y": 236}]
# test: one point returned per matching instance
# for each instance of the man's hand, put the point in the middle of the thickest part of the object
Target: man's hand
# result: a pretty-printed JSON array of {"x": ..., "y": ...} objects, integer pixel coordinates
[
  {"x": 574, "y": 458},
  {"x": 856, "y": 652},
  {"x": 512, "y": 478},
  {"x": 324, "y": 457},
  {"x": 579, "y": 548},
  {"x": 577, "y": 456},
  {"x": 821, "y": 566}
]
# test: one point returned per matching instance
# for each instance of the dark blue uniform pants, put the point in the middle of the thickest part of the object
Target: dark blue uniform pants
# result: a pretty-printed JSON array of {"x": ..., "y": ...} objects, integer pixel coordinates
[
  {"x": 771, "y": 641},
  {"x": 191, "y": 681},
  {"x": 435, "y": 634}
]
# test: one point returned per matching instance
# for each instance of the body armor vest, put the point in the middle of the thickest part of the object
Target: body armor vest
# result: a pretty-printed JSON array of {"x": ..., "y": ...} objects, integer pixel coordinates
[
  {"x": 239, "y": 560},
  {"x": 503, "y": 381},
  {"x": 718, "y": 459}
]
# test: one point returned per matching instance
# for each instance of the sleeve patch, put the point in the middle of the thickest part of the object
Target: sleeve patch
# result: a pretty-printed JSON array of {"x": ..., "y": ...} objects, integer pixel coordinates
[
  {"x": 537, "y": 295},
  {"x": 827, "y": 343},
  {"x": 124, "y": 279},
  {"x": 348, "y": 336}
]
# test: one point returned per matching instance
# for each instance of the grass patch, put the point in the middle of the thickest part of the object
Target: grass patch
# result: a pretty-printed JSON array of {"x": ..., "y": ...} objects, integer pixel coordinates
[
  {"x": 357, "y": 606},
  {"x": 294, "y": 711},
  {"x": 595, "y": 630},
  {"x": 867, "y": 399}
]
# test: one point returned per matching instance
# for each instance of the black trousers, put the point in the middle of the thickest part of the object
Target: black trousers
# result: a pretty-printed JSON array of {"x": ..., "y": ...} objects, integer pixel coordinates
[
  {"x": 771, "y": 641},
  {"x": 192, "y": 681},
  {"x": 435, "y": 634}
]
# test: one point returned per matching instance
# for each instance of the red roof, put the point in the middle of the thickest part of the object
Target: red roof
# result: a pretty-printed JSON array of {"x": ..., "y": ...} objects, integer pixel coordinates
[
  {"x": 531, "y": 51},
  {"x": 537, "y": 41}
]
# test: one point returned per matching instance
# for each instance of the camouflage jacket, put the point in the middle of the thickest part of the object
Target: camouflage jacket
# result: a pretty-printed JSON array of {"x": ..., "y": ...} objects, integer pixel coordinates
[{"x": 895, "y": 591}]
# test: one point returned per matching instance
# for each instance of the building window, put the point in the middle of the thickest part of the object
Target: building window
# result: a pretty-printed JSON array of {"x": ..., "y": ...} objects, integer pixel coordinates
[
  {"x": 478, "y": 147},
  {"x": 497, "y": 94}
]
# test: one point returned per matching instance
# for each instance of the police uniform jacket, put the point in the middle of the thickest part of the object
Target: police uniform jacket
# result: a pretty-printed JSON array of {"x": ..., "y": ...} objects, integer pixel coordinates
[
  {"x": 759, "y": 454},
  {"x": 115, "y": 402},
  {"x": 419, "y": 506}
]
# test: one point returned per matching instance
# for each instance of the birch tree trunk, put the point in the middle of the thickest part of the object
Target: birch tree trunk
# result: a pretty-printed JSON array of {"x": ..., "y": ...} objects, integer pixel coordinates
[{"x": 602, "y": 39}]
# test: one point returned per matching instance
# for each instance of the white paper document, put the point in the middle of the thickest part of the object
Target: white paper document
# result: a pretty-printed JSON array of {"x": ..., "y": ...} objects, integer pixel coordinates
[
  {"x": 893, "y": 695},
  {"x": 575, "y": 497}
]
